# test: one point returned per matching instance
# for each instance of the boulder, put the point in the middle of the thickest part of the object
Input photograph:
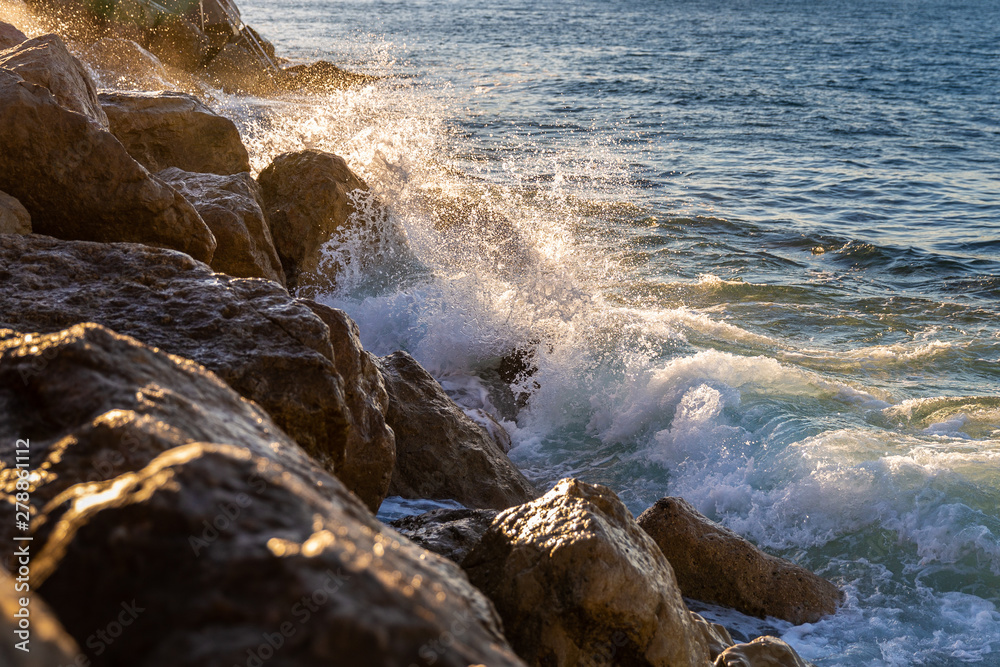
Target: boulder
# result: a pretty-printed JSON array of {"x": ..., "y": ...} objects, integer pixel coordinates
[
  {"x": 122, "y": 63},
  {"x": 370, "y": 448},
  {"x": 10, "y": 36},
  {"x": 309, "y": 197},
  {"x": 47, "y": 62},
  {"x": 167, "y": 129},
  {"x": 14, "y": 218},
  {"x": 714, "y": 564},
  {"x": 446, "y": 532},
  {"x": 77, "y": 181},
  {"x": 237, "y": 70},
  {"x": 264, "y": 344},
  {"x": 231, "y": 207},
  {"x": 48, "y": 644},
  {"x": 441, "y": 453},
  {"x": 761, "y": 652},
  {"x": 211, "y": 554},
  {"x": 715, "y": 637},
  {"x": 577, "y": 582},
  {"x": 179, "y": 43}
]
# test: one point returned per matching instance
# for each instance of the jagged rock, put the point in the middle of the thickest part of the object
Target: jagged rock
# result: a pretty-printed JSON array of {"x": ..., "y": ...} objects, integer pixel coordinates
[
  {"x": 14, "y": 218},
  {"x": 321, "y": 75},
  {"x": 449, "y": 533},
  {"x": 715, "y": 637},
  {"x": 47, "y": 62},
  {"x": 10, "y": 36},
  {"x": 122, "y": 63},
  {"x": 761, "y": 652},
  {"x": 179, "y": 43},
  {"x": 264, "y": 344},
  {"x": 237, "y": 70},
  {"x": 210, "y": 553},
  {"x": 576, "y": 580},
  {"x": 231, "y": 207},
  {"x": 440, "y": 452},
  {"x": 309, "y": 198},
  {"x": 714, "y": 564},
  {"x": 370, "y": 448},
  {"x": 47, "y": 645},
  {"x": 77, "y": 181},
  {"x": 168, "y": 129}
]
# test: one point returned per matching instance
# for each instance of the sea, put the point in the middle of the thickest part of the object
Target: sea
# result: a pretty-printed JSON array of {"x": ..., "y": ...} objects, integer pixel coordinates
[{"x": 745, "y": 252}]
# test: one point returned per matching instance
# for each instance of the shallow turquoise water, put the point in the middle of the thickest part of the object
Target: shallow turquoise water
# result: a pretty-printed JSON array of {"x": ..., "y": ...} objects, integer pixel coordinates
[{"x": 754, "y": 246}]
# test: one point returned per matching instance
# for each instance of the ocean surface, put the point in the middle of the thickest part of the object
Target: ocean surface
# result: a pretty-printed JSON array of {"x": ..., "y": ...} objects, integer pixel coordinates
[{"x": 751, "y": 247}]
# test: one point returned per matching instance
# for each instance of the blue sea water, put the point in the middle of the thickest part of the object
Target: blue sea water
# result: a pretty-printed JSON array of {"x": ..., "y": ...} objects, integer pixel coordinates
[{"x": 753, "y": 246}]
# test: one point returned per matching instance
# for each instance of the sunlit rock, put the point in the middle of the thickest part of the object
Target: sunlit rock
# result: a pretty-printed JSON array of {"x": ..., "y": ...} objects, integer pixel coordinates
[
  {"x": 266, "y": 345},
  {"x": 577, "y": 582},
  {"x": 45, "y": 643},
  {"x": 714, "y": 564},
  {"x": 761, "y": 652},
  {"x": 168, "y": 129},
  {"x": 14, "y": 218},
  {"x": 440, "y": 452},
  {"x": 231, "y": 207}
]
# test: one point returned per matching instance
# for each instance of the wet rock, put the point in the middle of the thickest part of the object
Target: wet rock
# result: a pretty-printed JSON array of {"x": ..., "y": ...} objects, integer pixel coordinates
[
  {"x": 14, "y": 218},
  {"x": 10, "y": 36},
  {"x": 237, "y": 70},
  {"x": 370, "y": 447},
  {"x": 48, "y": 644},
  {"x": 122, "y": 63},
  {"x": 95, "y": 405},
  {"x": 715, "y": 637},
  {"x": 179, "y": 43},
  {"x": 309, "y": 198},
  {"x": 264, "y": 344},
  {"x": 577, "y": 582},
  {"x": 714, "y": 564},
  {"x": 231, "y": 207},
  {"x": 440, "y": 453},
  {"x": 167, "y": 129},
  {"x": 761, "y": 652},
  {"x": 449, "y": 533},
  {"x": 77, "y": 181},
  {"x": 47, "y": 62},
  {"x": 321, "y": 75},
  {"x": 211, "y": 553}
]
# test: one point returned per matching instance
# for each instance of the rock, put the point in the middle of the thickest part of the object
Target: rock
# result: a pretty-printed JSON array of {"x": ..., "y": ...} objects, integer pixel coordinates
[
  {"x": 449, "y": 533},
  {"x": 209, "y": 554},
  {"x": 96, "y": 405},
  {"x": 48, "y": 642},
  {"x": 47, "y": 62},
  {"x": 166, "y": 129},
  {"x": 321, "y": 75},
  {"x": 761, "y": 652},
  {"x": 575, "y": 579},
  {"x": 237, "y": 70},
  {"x": 309, "y": 198},
  {"x": 14, "y": 218},
  {"x": 179, "y": 43},
  {"x": 77, "y": 181},
  {"x": 122, "y": 63},
  {"x": 440, "y": 453},
  {"x": 264, "y": 344},
  {"x": 370, "y": 439},
  {"x": 10, "y": 36},
  {"x": 714, "y": 564},
  {"x": 715, "y": 637},
  {"x": 231, "y": 207}
]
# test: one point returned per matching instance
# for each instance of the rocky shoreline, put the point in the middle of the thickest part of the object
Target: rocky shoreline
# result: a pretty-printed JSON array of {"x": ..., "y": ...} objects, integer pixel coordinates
[{"x": 204, "y": 449}]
